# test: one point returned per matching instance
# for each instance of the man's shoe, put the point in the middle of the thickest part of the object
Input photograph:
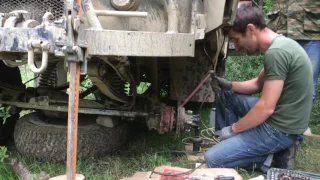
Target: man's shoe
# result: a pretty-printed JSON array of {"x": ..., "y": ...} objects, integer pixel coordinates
[{"x": 285, "y": 159}]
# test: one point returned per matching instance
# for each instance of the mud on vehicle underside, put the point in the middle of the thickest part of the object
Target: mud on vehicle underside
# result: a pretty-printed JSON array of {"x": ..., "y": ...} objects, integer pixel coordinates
[{"x": 171, "y": 44}]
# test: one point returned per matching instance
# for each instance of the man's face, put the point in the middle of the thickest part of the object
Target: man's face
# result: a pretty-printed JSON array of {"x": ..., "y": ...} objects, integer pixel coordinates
[{"x": 244, "y": 43}]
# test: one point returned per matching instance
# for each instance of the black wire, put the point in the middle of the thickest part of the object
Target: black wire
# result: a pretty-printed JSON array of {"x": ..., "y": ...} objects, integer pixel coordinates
[
  {"x": 205, "y": 51},
  {"x": 32, "y": 79},
  {"x": 176, "y": 174}
]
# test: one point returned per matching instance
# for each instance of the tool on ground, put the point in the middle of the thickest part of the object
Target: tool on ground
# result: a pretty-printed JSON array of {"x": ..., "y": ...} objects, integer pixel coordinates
[
  {"x": 210, "y": 178},
  {"x": 285, "y": 174}
]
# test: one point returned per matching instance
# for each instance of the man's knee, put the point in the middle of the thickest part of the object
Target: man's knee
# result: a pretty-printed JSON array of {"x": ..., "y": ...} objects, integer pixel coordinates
[
  {"x": 213, "y": 159},
  {"x": 210, "y": 160}
]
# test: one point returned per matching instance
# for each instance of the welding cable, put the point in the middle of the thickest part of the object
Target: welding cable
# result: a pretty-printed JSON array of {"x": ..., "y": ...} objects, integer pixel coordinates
[
  {"x": 211, "y": 136},
  {"x": 184, "y": 139},
  {"x": 176, "y": 174},
  {"x": 218, "y": 52},
  {"x": 32, "y": 79}
]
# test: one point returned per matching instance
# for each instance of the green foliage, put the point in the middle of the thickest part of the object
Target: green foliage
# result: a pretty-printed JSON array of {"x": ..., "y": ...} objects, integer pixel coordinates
[
  {"x": 5, "y": 171},
  {"x": 86, "y": 84},
  {"x": 4, "y": 113},
  {"x": 267, "y": 6},
  {"x": 3, "y": 153},
  {"x": 240, "y": 68},
  {"x": 27, "y": 75},
  {"x": 143, "y": 86}
]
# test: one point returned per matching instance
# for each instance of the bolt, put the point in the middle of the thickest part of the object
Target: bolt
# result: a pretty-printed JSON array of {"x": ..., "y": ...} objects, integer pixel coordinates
[{"x": 189, "y": 112}]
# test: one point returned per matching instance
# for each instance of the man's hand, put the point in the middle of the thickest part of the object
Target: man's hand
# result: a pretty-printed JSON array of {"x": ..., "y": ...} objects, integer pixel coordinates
[
  {"x": 225, "y": 133},
  {"x": 220, "y": 84}
]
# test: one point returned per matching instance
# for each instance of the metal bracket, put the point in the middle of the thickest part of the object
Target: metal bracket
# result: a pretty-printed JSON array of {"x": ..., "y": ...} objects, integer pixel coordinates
[
  {"x": 73, "y": 55},
  {"x": 76, "y": 55},
  {"x": 45, "y": 47}
]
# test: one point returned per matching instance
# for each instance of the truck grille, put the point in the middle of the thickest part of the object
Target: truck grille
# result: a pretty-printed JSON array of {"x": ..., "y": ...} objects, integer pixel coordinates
[{"x": 36, "y": 8}]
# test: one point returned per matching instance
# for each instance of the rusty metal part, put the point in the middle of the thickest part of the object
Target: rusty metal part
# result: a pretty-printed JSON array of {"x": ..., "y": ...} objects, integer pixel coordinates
[
  {"x": 186, "y": 73},
  {"x": 73, "y": 57},
  {"x": 166, "y": 119},
  {"x": 108, "y": 82},
  {"x": 197, "y": 88},
  {"x": 73, "y": 111},
  {"x": 119, "y": 65},
  {"x": 182, "y": 116},
  {"x": 81, "y": 110},
  {"x": 60, "y": 99}
]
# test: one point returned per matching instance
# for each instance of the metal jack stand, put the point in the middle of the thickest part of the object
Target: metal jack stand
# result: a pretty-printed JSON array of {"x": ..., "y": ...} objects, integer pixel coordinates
[
  {"x": 196, "y": 140},
  {"x": 74, "y": 56}
]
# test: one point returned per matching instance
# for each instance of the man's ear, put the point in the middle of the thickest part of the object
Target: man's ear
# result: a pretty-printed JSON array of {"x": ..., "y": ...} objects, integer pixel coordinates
[{"x": 251, "y": 29}]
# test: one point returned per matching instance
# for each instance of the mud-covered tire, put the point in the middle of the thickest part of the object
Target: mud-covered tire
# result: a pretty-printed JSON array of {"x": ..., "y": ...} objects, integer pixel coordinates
[{"x": 46, "y": 142}]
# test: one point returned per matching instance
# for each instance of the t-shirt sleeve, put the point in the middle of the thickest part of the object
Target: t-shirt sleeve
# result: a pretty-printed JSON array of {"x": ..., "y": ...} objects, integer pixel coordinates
[{"x": 276, "y": 65}]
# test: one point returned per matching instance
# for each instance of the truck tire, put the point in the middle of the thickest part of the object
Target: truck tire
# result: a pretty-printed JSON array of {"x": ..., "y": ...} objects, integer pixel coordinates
[
  {"x": 9, "y": 76},
  {"x": 43, "y": 141}
]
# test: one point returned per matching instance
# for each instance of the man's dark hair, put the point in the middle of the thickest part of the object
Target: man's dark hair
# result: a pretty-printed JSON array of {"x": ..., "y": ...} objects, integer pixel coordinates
[{"x": 247, "y": 14}]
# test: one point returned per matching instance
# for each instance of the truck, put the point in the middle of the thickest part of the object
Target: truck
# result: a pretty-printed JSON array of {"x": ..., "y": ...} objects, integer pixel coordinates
[{"x": 166, "y": 46}]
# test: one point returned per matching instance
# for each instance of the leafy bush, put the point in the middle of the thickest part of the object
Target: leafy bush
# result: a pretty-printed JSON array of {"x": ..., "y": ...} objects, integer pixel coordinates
[
  {"x": 3, "y": 153},
  {"x": 240, "y": 68},
  {"x": 267, "y": 6},
  {"x": 4, "y": 113}
]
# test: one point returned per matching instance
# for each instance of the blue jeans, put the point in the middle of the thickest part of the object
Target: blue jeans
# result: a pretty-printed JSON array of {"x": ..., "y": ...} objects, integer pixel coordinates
[
  {"x": 313, "y": 50},
  {"x": 248, "y": 149}
]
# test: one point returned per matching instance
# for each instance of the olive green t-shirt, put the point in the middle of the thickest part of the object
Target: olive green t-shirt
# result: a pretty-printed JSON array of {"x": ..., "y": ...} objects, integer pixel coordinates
[{"x": 286, "y": 60}]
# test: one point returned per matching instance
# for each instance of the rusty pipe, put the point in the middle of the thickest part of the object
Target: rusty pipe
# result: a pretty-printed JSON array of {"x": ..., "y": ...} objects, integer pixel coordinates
[{"x": 197, "y": 88}]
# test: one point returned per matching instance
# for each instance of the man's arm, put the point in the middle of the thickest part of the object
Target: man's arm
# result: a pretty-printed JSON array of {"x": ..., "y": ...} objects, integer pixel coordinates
[
  {"x": 263, "y": 109},
  {"x": 251, "y": 86}
]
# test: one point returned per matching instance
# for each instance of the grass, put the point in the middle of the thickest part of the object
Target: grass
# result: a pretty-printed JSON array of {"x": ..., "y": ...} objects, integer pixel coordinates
[{"x": 147, "y": 150}]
